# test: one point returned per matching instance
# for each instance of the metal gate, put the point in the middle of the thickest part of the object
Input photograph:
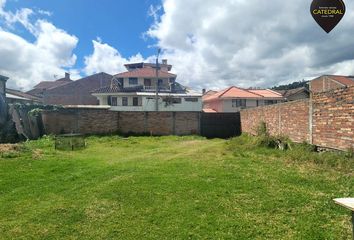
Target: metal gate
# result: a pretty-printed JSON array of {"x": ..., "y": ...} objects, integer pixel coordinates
[{"x": 220, "y": 125}]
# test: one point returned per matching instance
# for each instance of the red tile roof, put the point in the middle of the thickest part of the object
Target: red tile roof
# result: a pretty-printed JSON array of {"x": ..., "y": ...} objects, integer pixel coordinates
[
  {"x": 343, "y": 80},
  {"x": 235, "y": 92},
  {"x": 145, "y": 73},
  {"x": 267, "y": 93}
]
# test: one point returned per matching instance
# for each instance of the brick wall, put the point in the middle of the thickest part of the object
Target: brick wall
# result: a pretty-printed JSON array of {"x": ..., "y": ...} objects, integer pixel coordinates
[
  {"x": 324, "y": 83},
  {"x": 330, "y": 124},
  {"x": 290, "y": 119},
  {"x": 102, "y": 121},
  {"x": 86, "y": 121},
  {"x": 333, "y": 118}
]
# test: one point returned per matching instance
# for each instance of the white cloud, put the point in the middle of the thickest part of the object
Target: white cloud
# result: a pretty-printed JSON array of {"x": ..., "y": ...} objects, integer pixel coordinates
[
  {"x": 106, "y": 58},
  {"x": 27, "y": 63},
  {"x": 2, "y": 4},
  {"x": 250, "y": 43}
]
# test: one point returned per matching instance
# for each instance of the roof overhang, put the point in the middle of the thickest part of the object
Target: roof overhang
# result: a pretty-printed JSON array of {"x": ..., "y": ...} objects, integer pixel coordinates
[
  {"x": 148, "y": 94},
  {"x": 11, "y": 96},
  {"x": 3, "y": 78}
]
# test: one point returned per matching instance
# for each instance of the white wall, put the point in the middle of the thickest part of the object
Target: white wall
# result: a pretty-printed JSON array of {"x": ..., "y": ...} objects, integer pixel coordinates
[
  {"x": 227, "y": 105},
  {"x": 250, "y": 103},
  {"x": 148, "y": 104},
  {"x": 102, "y": 100}
]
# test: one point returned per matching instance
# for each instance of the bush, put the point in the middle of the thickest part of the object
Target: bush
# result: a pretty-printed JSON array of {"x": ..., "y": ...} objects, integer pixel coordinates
[{"x": 264, "y": 139}]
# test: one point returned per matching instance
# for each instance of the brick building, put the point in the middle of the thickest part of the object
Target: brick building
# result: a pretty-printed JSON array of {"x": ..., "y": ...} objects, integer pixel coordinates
[
  {"x": 330, "y": 82},
  {"x": 43, "y": 86},
  {"x": 77, "y": 92},
  {"x": 65, "y": 91}
]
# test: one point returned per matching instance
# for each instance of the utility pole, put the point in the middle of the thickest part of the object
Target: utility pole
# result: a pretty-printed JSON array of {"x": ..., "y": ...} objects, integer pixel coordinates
[{"x": 157, "y": 82}]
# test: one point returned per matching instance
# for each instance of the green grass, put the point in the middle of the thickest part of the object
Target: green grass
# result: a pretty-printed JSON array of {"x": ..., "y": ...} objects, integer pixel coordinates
[{"x": 172, "y": 188}]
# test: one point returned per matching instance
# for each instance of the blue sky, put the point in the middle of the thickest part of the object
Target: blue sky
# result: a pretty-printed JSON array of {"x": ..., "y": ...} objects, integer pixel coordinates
[
  {"x": 120, "y": 24},
  {"x": 211, "y": 44}
]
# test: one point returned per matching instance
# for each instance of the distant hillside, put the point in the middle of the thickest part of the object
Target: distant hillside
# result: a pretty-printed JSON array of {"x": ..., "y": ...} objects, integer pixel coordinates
[{"x": 293, "y": 85}]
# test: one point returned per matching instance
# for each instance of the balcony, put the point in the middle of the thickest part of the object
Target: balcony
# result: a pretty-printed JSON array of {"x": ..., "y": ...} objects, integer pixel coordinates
[{"x": 153, "y": 89}]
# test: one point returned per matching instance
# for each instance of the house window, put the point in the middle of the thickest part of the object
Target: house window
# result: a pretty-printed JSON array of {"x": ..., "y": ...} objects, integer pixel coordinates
[
  {"x": 147, "y": 82},
  {"x": 191, "y": 99},
  {"x": 270, "y": 102},
  {"x": 135, "y": 101},
  {"x": 125, "y": 101},
  {"x": 176, "y": 100},
  {"x": 133, "y": 81},
  {"x": 114, "y": 101},
  {"x": 159, "y": 83},
  {"x": 236, "y": 103},
  {"x": 172, "y": 80}
]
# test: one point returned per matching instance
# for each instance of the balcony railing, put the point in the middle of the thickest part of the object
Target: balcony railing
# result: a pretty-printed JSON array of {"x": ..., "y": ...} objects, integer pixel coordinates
[{"x": 153, "y": 88}]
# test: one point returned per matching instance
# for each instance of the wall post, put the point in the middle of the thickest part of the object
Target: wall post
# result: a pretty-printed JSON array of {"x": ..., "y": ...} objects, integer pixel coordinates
[{"x": 311, "y": 118}]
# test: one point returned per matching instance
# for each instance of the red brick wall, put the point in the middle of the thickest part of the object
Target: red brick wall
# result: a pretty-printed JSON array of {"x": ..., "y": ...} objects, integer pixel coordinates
[
  {"x": 332, "y": 119},
  {"x": 323, "y": 84},
  {"x": 100, "y": 121},
  {"x": 85, "y": 121},
  {"x": 187, "y": 123},
  {"x": 290, "y": 119}
]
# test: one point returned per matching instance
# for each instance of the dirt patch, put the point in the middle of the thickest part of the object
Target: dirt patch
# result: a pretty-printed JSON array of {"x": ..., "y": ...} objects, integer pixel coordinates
[
  {"x": 37, "y": 153},
  {"x": 191, "y": 142},
  {"x": 9, "y": 148}
]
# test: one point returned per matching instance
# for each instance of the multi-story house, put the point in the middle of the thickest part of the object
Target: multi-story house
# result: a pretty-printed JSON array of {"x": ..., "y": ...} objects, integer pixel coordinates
[
  {"x": 141, "y": 85},
  {"x": 233, "y": 99}
]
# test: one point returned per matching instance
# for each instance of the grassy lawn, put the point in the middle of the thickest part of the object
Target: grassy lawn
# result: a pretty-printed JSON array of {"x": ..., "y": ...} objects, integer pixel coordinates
[{"x": 172, "y": 188}]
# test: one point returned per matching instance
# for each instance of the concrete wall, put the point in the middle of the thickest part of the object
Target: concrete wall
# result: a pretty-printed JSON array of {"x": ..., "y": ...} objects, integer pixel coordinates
[
  {"x": 147, "y": 104},
  {"x": 326, "y": 120},
  {"x": 227, "y": 105},
  {"x": 101, "y": 121}
]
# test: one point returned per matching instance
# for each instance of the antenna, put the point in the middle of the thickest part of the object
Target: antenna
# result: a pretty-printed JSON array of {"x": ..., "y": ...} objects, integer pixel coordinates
[{"x": 157, "y": 81}]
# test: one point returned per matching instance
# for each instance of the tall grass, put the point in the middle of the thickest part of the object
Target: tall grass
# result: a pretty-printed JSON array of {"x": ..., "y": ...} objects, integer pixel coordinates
[{"x": 296, "y": 152}]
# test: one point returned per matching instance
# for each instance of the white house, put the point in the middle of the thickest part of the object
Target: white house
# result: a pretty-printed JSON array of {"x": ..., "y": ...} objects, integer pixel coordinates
[{"x": 139, "y": 87}]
